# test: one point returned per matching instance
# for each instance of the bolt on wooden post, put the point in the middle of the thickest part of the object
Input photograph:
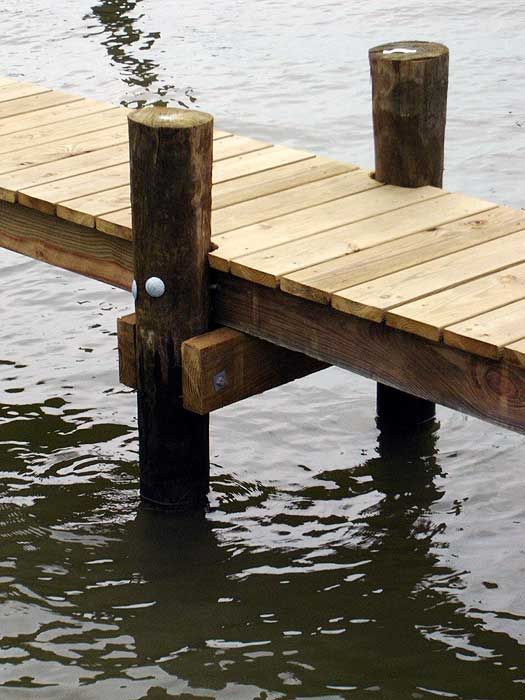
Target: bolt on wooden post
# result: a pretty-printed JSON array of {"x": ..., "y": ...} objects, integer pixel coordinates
[
  {"x": 171, "y": 166},
  {"x": 409, "y": 103}
]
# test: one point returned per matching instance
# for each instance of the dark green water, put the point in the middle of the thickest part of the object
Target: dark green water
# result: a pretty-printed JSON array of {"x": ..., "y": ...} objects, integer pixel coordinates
[{"x": 333, "y": 563}]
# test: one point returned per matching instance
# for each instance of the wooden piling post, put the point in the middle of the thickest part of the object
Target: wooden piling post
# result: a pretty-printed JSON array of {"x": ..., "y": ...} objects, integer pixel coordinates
[
  {"x": 171, "y": 163},
  {"x": 409, "y": 103}
]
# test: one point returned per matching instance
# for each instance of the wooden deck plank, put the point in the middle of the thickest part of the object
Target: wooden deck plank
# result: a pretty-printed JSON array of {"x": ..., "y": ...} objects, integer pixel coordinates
[
  {"x": 515, "y": 353},
  {"x": 11, "y": 183},
  {"x": 18, "y": 161},
  {"x": 49, "y": 116},
  {"x": 279, "y": 179},
  {"x": 284, "y": 229},
  {"x": 428, "y": 316},
  {"x": 487, "y": 333},
  {"x": 372, "y": 299},
  {"x": 16, "y": 91},
  {"x": 118, "y": 223},
  {"x": 273, "y": 205},
  {"x": 33, "y": 103},
  {"x": 319, "y": 282},
  {"x": 84, "y": 210},
  {"x": 46, "y": 197},
  {"x": 257, "y": 161},
  {"x": 236, "y": 146},
  {"x": 53, "y": 132},
  {"x": 387, "y": 238}
]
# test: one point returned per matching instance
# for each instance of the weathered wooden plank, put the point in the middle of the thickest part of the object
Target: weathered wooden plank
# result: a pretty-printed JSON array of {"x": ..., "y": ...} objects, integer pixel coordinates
[
  {"x": 35, "y": 102},
  {"x": 51, "y": 116},
  {"x": 119, "y": 223},
  {"x": 127, "y": 350},
  {"x": 515, "y": 353},
  {"x": 283, "y": 177},
  {"x": 428, "y": 316},
  {"x": 485, "y": 334},
  {"x": 17, "y": 161},
  {"x": 31, "y": 138},
  {"x": 236, "y": 146},
  {"x": 277, "y": 204},
  {"x": 222, "y": 366},
  {"x": 267, "y": 159},
  {"x": 66, "y": 245},
  {"x": 46, "y": 197},
  {"x": 387, "y": 238},
  {"x": 283, "y": 229},
  {"x": 86, "y": 208},
  {"x": 16, "y": 91},
  {"x": 371, "y": 299},
  {"x": 489, "y": 389},
  {"x": 11, "y": 183},
  {"x": 280, "y": 203},
  {"x": 319, "y": 282}
]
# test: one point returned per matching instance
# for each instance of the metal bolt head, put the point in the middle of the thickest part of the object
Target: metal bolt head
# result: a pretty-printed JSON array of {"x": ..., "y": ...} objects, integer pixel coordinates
[
  {"x": 155, "y": 287},
  {"x": 134, "y": 289},
  {"x": 220, "y": 380}
]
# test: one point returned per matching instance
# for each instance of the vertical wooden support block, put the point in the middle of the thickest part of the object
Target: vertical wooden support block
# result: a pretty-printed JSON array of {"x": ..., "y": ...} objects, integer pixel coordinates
[
  {"x": 409, "y": 103},
  {"x": 171, "y": 165}
]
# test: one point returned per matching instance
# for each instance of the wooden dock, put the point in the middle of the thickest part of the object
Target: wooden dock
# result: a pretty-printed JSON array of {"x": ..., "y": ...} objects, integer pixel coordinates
[{"x": 416, "y": 287}]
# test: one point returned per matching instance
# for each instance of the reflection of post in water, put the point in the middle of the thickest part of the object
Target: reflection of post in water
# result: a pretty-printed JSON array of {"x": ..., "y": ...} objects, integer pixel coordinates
[
  {"x": 192, "y": 597},
  {"x": 124, "y": 40}
]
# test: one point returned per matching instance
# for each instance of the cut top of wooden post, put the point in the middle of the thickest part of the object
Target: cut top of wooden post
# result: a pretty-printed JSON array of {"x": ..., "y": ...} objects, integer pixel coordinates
[{"x": 409, "y": 103}]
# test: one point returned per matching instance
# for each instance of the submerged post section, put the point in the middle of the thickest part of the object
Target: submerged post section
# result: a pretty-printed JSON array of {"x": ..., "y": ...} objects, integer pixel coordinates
[
  {"x": 409, "y": 102},
  {"x": 171, "y": 166}
]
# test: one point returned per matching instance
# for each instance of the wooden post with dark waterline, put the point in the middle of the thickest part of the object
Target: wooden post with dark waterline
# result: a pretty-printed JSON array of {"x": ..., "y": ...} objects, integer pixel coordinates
[
  {"x": 409, "y": 103},
  {"x": 171, "y": 166}
]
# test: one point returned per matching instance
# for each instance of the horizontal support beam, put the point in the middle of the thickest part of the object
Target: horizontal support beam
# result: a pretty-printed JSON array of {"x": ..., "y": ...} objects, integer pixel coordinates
[
  {"x": 66, "y": 245},
  {"x": 490, "y": 389},
  {"x": 221, "y": 367},
  {"x": 493, "y": 390}
]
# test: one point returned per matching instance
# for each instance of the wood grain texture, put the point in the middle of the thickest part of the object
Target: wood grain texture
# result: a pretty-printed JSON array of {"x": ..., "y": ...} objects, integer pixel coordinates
[
  {"x": 386, "y": 238},
  {"x": 119, "y": 223},
  {"x": 515, "y": 353},
  {"x": 322, "y": 217},
  {"x": 489, "y": 389},
  {"x": 221, "y": 367},
  {"x": 46, "y": 197},
  {"x": 170, "y": 177},
  {"x": 486, "y": 334},
  {"x": 127, "y": 350},
  {"x": 15, "y": 91},
  {"x": 63, "y": 149},
  {"x": 428, "y": 316},
  {"x": 319, "y": 282},
  {"x": 409, "y": 105},
  {"x": 51, "y": 116},
  {"x": 66, "y": 245},
  {"x": 35, "y": 103},
  {"x": 290, "y": 200},
  {"x": 372, "y": 299},
  {"x": 12, "y": 183},
  {"x": 279, "y": 179},
  {"x": 224, "y": 366},
  {"x": 49, "y": 133}
]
